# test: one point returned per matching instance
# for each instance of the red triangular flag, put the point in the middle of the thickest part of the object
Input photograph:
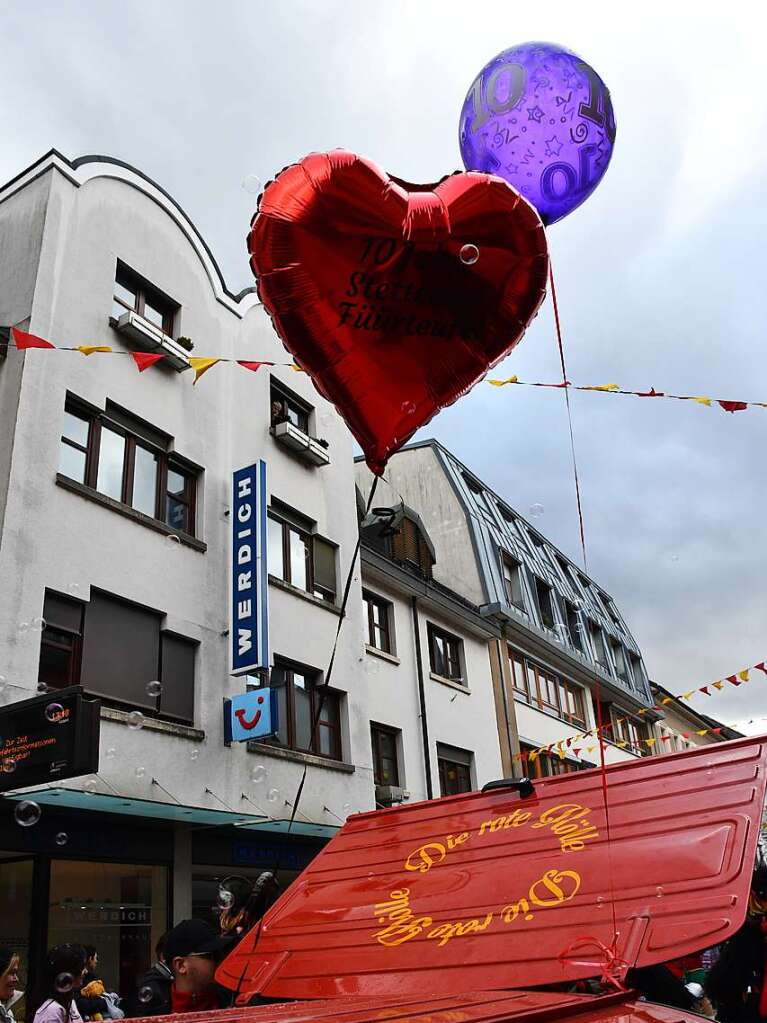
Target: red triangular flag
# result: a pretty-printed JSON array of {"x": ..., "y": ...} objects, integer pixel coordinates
[
  {"x": 704, "y": 689},
  {"x": 577, "y": 750},
  {"x": 523, "y": 755},
  {"x": 733, "y": 679},
  {"x": 255, "y": 366},
  {"x": 652, "y": 393},
  {"x": 685, "y": 735},
  {"x": 23, "y": 340},
  {"x": 733, "y": 406},
  {"x": 667, "y": 738},
  {"x": 145, "y": 359},
  {"x": 715, "y": 731},
  {"x": 761, "y": 667}
]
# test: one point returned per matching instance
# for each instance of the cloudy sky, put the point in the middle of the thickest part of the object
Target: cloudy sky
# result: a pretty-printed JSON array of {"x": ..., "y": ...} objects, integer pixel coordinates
[{"x": 660, "y": 274}]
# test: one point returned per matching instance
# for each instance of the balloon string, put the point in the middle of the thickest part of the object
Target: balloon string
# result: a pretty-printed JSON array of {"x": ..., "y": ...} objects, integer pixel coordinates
[
  {"x": 603, "y": 773},
  {"x": 326, "y": 682},
  {"x": 566, "y": 389}
]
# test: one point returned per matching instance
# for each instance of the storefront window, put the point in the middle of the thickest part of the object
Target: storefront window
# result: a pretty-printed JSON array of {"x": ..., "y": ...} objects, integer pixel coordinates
[
  {"x": 15, "y": 911},
  {"x": 120, "y": 908}
]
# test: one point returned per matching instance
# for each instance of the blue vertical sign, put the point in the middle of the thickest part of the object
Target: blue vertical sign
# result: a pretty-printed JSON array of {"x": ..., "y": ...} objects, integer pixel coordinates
[{"x": 249, "y": 622}]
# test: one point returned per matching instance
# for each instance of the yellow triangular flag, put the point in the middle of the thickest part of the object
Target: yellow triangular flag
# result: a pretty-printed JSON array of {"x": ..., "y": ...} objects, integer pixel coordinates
[
  {"x": 601, "y": 387},
  {"x": 743, "y": 675},
  {"x": 502, "y": 383},
  {"x": 201, "y": 366},
  {"x": 296, "y": 368},
  {"x": 718, "y": 685},
  {"x": 650, "y": 742},
  {"x": 702, "y": 400},
  {"x": 533, "y": 754},
  {"x": 90, "y": 349},
  {"x": 703, "y": 731},
  {"x": 665, "y": 700},
  {"x": 686, "y": 696},
  {"x": 622, "y": 745},
  {"x": 590, "y": 749}
]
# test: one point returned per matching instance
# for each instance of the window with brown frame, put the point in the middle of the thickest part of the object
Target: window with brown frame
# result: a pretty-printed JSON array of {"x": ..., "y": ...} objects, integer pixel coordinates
[
  {"x": 309, "y": 713},
  {"x": 518, "y": 671},
  {"x": 287, "y": 407},
  {"x": 445, "y": 654},
  {"x": 384, "y": 741},
  {"x": 545, "y": 690},
  {"x": 408, "y": 546},
  {"x": 129, "y": 461},
  {"x": 548, "y": 765},
  {"x": 512, "y": 578},
  {"x": 454, "y": 767},
  {"x": 115, "y": 649},
  {"x": 299, "y": 557},
  {"x": 133, "y": 293},
  {"x": 378, "y": 615}
]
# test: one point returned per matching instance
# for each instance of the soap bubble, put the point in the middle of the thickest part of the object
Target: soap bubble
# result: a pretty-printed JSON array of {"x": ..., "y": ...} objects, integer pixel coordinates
[
  {"x": 64, "y": 983},
  {"x": 37, "y": 624},
  {"x": 225, "y": 898},
  {"x": 140, "y": 771},
  {"x": 3, "y": 682},
  {"x": 135, "y": 720},
  {"x": 8, "y": 765},
  {"x": 469, "y": 254},
  {"x": 273, "y": 795},
  {"x": 54, "y": 713},
  {"x": 259, "y": 773},
  {"x": 346, "y": 809},
  {"x": 27, "y": 813},
  {"x": 194, "y": 754},
  {"x": 73, "y": 588},
  {"x": 172, "y": 541},
  {"x": 154, "y": 688},
  {"x": 90, "y": 785},
  {"x": 145, "y": 994},
  {"x": 675, "y": 557},
  {"x": 23, "y": 626},
  {"x": 536, "y": 510},
  {"x": 408, "y": 407},
  {"x": 252, "y": 184},
  {"x": 62, "y": 838},
  {"x": 111, "y": 753}
]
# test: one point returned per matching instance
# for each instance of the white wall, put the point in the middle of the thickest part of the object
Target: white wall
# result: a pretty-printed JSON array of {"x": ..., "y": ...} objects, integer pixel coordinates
[{"x": 57, "y": 539}]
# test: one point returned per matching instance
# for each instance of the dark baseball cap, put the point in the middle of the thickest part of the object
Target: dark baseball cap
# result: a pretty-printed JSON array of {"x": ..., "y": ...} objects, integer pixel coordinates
[{"x": 194, "y": 937}]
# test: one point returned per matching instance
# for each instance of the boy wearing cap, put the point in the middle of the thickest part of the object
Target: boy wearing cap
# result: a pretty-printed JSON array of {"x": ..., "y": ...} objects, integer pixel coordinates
[{"x": 193, "y": 950}]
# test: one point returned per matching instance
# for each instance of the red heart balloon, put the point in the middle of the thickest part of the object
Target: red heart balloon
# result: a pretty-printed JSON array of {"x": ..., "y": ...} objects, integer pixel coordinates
[{"x": 396, "y": 298}]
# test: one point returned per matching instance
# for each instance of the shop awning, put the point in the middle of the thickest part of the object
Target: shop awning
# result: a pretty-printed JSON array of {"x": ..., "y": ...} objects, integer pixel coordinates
[{"x": 100, "y": 802}]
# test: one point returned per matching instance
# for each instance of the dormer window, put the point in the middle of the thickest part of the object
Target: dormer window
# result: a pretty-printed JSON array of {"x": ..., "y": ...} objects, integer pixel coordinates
[{"x": 134, "y": 294}]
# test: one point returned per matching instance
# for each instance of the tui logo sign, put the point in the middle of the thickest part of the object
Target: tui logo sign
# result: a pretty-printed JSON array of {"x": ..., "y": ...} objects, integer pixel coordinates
[{"x": 251, "y": 715}]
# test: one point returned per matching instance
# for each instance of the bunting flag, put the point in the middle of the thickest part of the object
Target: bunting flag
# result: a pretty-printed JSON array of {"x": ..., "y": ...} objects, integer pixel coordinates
[
  {"x": 737, "y": 679},
  {"x": 144, "y": 360},
  {"x": 201, "y": 364}
]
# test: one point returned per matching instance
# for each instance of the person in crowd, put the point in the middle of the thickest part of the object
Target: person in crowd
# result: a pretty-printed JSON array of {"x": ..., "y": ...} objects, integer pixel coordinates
[
  {"x": 9, "y": 978},
  {"x": 62, "y": 979},
  {"x": 192, "y": 952},
  {"x": 243, "y": 902},
  {"x": 94, "y": 1001},
  {"x": 152, "y": 994}
]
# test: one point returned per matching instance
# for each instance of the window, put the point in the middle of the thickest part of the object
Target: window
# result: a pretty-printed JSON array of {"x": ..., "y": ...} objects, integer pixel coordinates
[
  {"x": 545, "y": 602},
  {"x": 309, "y": 715},
  {"x": 115, "y": 649},
  {"x": 129, "y": 461},
  {"x": 574, "y": 627},
  {"x": 454, "y": 769},
  {"x": 300, "y": 557},
  {"x": 133, "y": 293},
  {"x": 287, "y": 407},
  {"x": 598, "y": 641},
  {"x": 548, "y": 765},
  {"x": 619, "y": 657},
  {"x": 512, "y": 578},
  {"x": 628, "y": 730},
  {"x": 385, "y": 769},
  {"x": 545, "y": 690},
  {"x": 519, "y": 680},
  {"x": 636, "y": 672},
  {"x": 61, "y": 641},
  {"x": 409, "y": 546},
  {"x": 378, "y": 613},
  {"x": 483, "y": 501},
  {"x": 446, "y": 654},
  {"x": 572, "y": 703}
]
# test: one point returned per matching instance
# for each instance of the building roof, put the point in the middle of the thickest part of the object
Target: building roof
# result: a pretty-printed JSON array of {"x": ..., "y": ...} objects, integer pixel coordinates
[{"x": 695, "y": 715}]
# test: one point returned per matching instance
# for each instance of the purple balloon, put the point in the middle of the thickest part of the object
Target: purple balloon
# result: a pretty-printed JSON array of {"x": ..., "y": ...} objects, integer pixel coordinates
[{"x": 540, "y": 117}]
